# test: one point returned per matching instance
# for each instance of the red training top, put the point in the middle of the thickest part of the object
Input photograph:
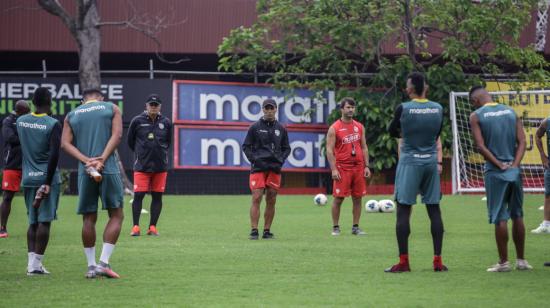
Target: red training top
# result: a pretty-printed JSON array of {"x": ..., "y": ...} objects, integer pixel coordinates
[{"x": 347, "y": 149}]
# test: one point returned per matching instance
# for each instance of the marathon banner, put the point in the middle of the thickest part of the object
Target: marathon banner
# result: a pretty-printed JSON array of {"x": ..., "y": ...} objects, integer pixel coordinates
[
  {"x": 225, "y": 103},
  {"x": 129, "y": 94},
  {"x": 208, "y": 147},
  {"x": 212, "y": 118}
]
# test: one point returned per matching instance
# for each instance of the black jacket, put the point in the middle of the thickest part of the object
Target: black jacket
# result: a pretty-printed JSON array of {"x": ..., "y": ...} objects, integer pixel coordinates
[
  {"x": 12, "y": 147},
  {"x": 150, "y": 141},
  {"x": 266, "y": 146}
]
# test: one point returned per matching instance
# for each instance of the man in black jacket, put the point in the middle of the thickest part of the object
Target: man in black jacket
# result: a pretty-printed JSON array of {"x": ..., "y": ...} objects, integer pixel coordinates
[
  {"x": 266, "y": 146},
  {"x": 11, "y": 177},
  {"x": 149, "y": 136}
]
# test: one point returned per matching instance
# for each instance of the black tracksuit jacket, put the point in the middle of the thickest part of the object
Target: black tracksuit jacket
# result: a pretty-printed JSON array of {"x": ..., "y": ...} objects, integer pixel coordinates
[
  {"x": 12, "y": 148},
  {"x": 150, "y": 141},
  {"x": 266, "y": 146}
]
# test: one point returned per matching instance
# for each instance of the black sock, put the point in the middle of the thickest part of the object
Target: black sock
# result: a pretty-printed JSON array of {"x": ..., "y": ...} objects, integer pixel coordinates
[
  {"x": 434, "y": 212},
  {"x": 403, "y": 227},
  {"x": 266, "y": 230},
  {"x": 254, "y": 230},
  {"x": 136, "y": 206},
  {"x": 156, "y": 207},
  {"x": 336, "y": 226},
  {"x": 356, "y": 225}
]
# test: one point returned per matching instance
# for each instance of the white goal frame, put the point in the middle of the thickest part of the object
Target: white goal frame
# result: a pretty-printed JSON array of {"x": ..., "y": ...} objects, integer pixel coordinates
[{"x": 459, "y": 180}]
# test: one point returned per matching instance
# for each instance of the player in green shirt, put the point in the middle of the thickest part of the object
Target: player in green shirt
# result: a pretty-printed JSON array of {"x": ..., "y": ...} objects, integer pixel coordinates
[
  {"x": 91, "y": 134},
  {"x": 40, "y": 137}
]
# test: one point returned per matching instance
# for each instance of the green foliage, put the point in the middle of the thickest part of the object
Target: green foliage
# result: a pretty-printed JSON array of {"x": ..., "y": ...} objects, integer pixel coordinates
[
  {"x": 65, "y": 176},
  {"x": 327, "y": 44}
]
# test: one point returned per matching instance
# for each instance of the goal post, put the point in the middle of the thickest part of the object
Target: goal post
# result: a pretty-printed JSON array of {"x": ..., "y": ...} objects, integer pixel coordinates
[{"x": 467, "y": 165}]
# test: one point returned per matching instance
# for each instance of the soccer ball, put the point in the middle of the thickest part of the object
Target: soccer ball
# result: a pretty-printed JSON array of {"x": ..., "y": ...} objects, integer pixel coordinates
[
  {"x": 320, "y": 199},
  {"x": 386, "y": 206},
  {"x": 371, "y": 206}
]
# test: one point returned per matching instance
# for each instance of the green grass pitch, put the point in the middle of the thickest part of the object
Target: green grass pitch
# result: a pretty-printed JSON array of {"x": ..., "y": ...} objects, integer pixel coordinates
[{"x": 203, "y": 258}]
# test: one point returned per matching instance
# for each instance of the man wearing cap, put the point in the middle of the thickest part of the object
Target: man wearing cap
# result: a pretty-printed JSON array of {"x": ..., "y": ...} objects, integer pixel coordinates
[
  {"x": 12, "y": 162},
  {"x": 266, "y": 146},
  {"x": 149, "y": 136}
]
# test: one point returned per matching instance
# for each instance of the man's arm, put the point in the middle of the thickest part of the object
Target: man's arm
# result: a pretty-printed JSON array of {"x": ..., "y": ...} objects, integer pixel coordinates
[
  {"x": 285, "y": 145},
  {"x": 116, "y": 134},
  {"x": 67, "y": 143},
  {"x": 439, "y": 155},
  {"x": 395, "y": 125},
  {"x": 482, "y": 148},
  {"x": 331, "y": 143},
  {"x": 53, "y": 156},
  {"x": 520, "y": 140},
  {"x": 170, "y": 132},
  {"x": 541, "y": 131},
  {"x": 365, "y": 150},
  {"x": 132, "y": 135},
  {"x": 9, "y": 134},
  {"x": 248, "y": 145}
]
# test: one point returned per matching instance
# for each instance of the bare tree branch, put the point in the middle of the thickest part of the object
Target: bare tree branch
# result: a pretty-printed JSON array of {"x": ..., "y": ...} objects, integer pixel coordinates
[
  {"x": 55, "y": 8},
  {"x": 149, "y": 25},
  {"x": 21, "y": 7}
]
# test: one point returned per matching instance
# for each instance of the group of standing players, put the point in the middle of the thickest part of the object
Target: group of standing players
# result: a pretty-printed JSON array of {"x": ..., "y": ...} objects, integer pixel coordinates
[
  {"x": 498, "y": 134},
  {"x": 92, "y": 132}
]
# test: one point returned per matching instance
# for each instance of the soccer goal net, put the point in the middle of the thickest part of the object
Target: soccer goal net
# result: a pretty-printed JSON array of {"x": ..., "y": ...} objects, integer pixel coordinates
[{"x": 531, "y": 106}]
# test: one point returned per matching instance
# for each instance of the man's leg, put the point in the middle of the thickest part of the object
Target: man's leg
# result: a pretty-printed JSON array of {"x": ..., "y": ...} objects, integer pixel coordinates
[
  {"x": 137, "y": 205},
  {"x": 356, "y": 211},
  {"x": 257, "y": 195},
  {"x": 269, "y": 214},
  {"x": 156, "y": 207},
  {"x": 110, "y": 237},
  {"x": 437, "y": 230},
  {"x": 402, "y": 231},
  {"x": 544, "y": 227},
  {"x": 336, "y": 206},
  {"x": 31, "y": 239},
  {"x": 42, "y": 237},
  {"x": 501, "y": 236},
  {"x": 5, "y": 210},
  {"x": 518, "y": 235}
]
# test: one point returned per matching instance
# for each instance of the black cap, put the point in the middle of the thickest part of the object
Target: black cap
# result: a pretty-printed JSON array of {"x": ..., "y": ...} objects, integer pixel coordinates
[
  {"x": 152, "y": 99},
  {"x": 269, "y": 101}
]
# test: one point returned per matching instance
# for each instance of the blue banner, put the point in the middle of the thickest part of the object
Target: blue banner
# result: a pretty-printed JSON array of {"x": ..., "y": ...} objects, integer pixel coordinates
[
  {"x": 220, "y": 148},
  {"x": 220, "y": 103}
]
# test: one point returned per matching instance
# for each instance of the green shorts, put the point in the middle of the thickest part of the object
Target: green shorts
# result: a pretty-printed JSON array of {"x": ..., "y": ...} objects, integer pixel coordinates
[
  {"x": 48, "y": 207},
  {"x": 109, "y": 190},
  {"x": 504, "y": 194},
  {"x": 411, "y": 180}
]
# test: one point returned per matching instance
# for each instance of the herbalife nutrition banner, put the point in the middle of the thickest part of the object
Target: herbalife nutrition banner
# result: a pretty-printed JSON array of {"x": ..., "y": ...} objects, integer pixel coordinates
[
  {"x": 128, "y": 93},
  {"x": 212, "y": 119}
]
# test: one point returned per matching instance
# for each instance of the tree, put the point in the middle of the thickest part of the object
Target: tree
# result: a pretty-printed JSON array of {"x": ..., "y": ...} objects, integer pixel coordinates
[
  {"x": 322, "y": 44},
  {"x": 85, "y": 26}
]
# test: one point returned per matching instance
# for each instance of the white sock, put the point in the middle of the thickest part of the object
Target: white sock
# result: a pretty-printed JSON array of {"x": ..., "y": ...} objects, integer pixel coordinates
[
  {"x": 546, "y": 223},
  {"x": 90, "y": 255},
  {"x": 106, "y": 252},
  {"x": 37, "y": 261},
  {"x": 29, "y": 262}
]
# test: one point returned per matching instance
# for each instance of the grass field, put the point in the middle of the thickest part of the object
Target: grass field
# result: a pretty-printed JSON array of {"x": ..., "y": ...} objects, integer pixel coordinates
[{"x": 203, "y": 258}]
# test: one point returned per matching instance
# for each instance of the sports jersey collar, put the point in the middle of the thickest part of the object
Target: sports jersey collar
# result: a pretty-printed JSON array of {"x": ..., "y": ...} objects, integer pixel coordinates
[
  {"x": 491, "y": 104},
  {"x": 420, "y": 100},
  {"x": 39, "y": 114},
  {"x": 92, "y": 101}
]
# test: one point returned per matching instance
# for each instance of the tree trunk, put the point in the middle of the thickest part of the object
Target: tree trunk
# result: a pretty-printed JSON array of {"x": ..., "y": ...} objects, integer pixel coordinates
[
  {"x": 89, "y": 44},
  {"x": 408, "y": 27}
]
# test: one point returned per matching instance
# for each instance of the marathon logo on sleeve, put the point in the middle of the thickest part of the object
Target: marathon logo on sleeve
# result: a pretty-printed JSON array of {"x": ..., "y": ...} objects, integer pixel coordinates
[
  {"x": 497, "y": 113},
  {"x": 423, "y": 110},
  {"x": 90, "y": 109},
  {"x": 32, "y": 125},
  {"x": 36, "y": 173}
]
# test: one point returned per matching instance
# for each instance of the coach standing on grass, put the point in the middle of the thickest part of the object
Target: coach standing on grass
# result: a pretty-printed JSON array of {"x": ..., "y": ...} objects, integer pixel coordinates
[
  {"x": 149, "y": 136},
  {"x": 266, "y": 146}
]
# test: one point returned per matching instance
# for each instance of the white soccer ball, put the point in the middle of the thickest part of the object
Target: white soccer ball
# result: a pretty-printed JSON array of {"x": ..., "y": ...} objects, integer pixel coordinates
[
  {"x": 371, "y": 206},
  {"x": 386, "y": 206},
  {"x": 320, "y": 199}
]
